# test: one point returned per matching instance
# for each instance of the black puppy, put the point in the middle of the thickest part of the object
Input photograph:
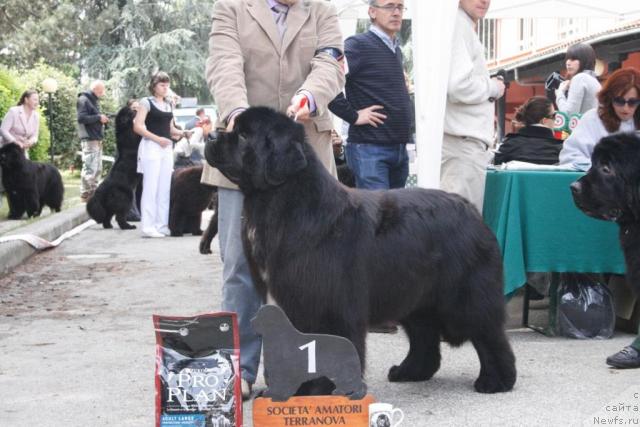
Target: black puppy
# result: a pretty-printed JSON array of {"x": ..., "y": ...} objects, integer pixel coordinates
[
  {"x": 29, "y": 185},
  {"x": 338, "y": 260},
  {"x": 611, "y": 191},
  {"x": 114, "y": 195},
  {"x": 188, "y": 199}
]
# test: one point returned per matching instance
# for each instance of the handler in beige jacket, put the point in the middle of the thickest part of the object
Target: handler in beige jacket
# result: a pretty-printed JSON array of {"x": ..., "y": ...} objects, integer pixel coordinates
[{"x": 269, "y": 53}]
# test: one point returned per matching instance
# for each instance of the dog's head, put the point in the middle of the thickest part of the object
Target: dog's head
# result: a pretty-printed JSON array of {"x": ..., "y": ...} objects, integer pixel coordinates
[
  {"x": 264, "y": 149},
  {"x": 126, "y": 138},
  {"x": 611, "y": 188},
  {"x": 11, "y": 156},
  {"x": 269, "y": 318}
]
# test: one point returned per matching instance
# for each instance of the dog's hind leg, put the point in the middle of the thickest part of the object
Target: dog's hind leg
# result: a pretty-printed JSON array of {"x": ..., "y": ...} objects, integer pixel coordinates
[
  {"x": 209, "y": 234},
  {"x": 194, "y": 223},
  {"x": 423, "y": 359},
  {"x": 176, "y": 222},
  {"x": 497, "y": 362},
  {"x": 121, "y": 219}
]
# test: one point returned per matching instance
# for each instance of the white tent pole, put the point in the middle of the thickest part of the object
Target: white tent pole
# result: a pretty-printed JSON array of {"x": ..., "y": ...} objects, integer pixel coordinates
[{"x": 432, "y": 28}]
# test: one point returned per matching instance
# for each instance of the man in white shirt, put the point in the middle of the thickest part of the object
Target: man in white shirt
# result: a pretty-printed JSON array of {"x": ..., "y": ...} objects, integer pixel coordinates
[{"x": 469, "y": 117}]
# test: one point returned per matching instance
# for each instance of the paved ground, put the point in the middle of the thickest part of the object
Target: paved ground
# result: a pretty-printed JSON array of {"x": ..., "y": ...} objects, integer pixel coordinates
[{"x": 77, "y": 346}]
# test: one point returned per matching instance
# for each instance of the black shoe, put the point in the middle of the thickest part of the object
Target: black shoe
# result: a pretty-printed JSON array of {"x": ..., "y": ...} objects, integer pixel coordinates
[{"x": 628, "y": 357}]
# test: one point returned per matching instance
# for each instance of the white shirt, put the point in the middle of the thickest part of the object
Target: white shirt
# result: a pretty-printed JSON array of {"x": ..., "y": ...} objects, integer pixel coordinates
[
  {"x": 469, "y": 112},
  {"x": 577, "y": 149}
]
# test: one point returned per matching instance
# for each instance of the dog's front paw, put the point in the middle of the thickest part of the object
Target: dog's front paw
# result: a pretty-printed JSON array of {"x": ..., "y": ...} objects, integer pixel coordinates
[
  {"x": 205, "y": 247},
  {"x": 107, "y": 225},
  {"x": 402, "y": 373},
  {"x": 128, "y": 227},
  {"x": 491, "y": 384}
]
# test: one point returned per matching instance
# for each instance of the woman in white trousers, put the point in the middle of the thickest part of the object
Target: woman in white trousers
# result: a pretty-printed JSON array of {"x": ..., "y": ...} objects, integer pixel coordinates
[{"x": 154, "y": 122}]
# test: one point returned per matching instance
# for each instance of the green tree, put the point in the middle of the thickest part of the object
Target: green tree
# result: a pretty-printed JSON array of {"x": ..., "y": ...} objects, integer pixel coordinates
[
  {"x": 57, "y": 32},
  {"x": 167, "y": 35}
]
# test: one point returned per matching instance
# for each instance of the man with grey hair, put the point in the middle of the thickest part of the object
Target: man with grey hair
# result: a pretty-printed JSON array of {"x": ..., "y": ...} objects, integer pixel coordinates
[
  {"x": 91, "y": 132},
  {"x": 377, "y": 104}
]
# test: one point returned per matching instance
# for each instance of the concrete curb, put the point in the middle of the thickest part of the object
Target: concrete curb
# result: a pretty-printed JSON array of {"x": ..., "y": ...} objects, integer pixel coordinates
[{"x": 14, "y": 253}]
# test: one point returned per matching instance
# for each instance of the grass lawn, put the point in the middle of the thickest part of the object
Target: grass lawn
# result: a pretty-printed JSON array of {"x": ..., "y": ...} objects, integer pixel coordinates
[{"x": 71, "y": 182}]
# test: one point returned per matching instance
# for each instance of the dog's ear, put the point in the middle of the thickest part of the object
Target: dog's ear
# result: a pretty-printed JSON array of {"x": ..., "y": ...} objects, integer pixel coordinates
[{"x": 282, "y": 164}]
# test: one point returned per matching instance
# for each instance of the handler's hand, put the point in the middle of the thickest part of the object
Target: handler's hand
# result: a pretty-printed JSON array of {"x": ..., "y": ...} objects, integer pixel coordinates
[
  {"x": 303, "y": 114},
  {"x": 369, "y": 116}
]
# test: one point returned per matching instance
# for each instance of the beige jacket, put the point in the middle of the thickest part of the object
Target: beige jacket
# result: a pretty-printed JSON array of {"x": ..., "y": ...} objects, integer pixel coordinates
[{"x": 249, "y": 65}]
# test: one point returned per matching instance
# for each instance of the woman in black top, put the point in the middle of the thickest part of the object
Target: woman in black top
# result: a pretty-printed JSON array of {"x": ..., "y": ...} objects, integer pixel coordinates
[
  {"x": 154, "y": 122},
  {"x": 534, "y": 142}
]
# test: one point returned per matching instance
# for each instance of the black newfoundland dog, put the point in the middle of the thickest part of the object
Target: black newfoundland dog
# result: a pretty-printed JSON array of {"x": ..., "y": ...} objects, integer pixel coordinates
[
  {"x": 611, "y": 191},
  {"x": 29, "y": 185},
  {"x": 188, "y": 199},
  {"x": 114, "y": 195},
  {"x": 338, "y": 259}
]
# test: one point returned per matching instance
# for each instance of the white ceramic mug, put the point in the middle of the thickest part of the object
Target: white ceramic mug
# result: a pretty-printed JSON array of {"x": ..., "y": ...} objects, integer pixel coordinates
[{"x": 382, "y": 415}]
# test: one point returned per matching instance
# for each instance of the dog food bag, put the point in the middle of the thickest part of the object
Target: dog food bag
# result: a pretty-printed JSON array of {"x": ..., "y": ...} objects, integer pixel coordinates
[{"x": 198, "y": 371}]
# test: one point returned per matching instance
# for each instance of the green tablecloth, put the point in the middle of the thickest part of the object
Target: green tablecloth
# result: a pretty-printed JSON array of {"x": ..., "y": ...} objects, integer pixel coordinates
[{"x": 539, "y": 229}]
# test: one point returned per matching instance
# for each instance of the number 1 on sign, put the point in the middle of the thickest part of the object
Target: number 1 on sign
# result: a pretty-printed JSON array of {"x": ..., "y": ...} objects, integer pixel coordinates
[{"x": 311, "y": 349}]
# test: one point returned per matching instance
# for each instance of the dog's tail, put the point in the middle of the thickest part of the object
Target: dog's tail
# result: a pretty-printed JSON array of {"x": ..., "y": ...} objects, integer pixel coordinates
[{"x": 95, "y": 209}]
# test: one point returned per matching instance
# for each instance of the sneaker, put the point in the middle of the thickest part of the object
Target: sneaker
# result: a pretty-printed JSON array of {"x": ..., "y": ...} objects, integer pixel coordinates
[
  {"x": 628, "y": 357},
  {"x": 245, "y": 387},
  {"x": 151, "y": 233},
  {"x": 164, "y": 230}
]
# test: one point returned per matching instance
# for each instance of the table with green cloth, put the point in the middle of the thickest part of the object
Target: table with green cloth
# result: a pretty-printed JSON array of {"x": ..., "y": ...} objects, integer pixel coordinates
[{"x": 539, "y": 228}]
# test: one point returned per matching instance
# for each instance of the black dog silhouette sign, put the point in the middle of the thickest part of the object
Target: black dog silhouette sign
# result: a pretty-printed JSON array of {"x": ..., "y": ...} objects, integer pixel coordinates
[{"x": 292, "y": 358}]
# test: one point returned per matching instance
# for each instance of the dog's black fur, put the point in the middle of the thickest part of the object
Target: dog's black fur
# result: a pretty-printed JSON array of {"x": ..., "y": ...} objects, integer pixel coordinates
[
  {"x": 114, "y": 195},
  {"x": 338, "y": 260},
  {"x": 188, "y": 199},
  {"x": 335, "y": 358},
  {"x": 29, "y": 185},
  {"x": 611, "y": 191}
]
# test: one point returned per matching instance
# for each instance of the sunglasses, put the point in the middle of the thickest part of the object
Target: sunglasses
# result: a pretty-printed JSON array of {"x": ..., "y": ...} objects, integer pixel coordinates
[
  {"x": 619, "y": 101},
  {"x": 551, "y": 116}
]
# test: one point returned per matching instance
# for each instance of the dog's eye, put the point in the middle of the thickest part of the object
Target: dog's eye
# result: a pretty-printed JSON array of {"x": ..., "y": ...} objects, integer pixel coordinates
[{"x": 605, "y": 169}]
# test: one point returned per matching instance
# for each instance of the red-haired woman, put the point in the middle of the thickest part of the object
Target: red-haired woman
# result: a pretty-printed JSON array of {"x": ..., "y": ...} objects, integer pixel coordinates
[{"x": 618, "y": 112}]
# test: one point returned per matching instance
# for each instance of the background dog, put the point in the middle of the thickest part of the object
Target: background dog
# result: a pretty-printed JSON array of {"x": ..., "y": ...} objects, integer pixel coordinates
[
  {"x": 29, "y": 185},
  {"x": 338, "y": 259},
  {"x": 611, "y": 191},
  {"x": 114, "y": 195},
  {"x": 189, "y": 198}
]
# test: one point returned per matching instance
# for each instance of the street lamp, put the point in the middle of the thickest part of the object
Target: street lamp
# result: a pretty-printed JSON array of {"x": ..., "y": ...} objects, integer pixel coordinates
[{"x": 50, "y": 86}]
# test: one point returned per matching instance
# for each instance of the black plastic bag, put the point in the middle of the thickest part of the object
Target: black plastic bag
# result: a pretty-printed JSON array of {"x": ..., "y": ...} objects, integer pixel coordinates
[{"x": 585, "y": 307}]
